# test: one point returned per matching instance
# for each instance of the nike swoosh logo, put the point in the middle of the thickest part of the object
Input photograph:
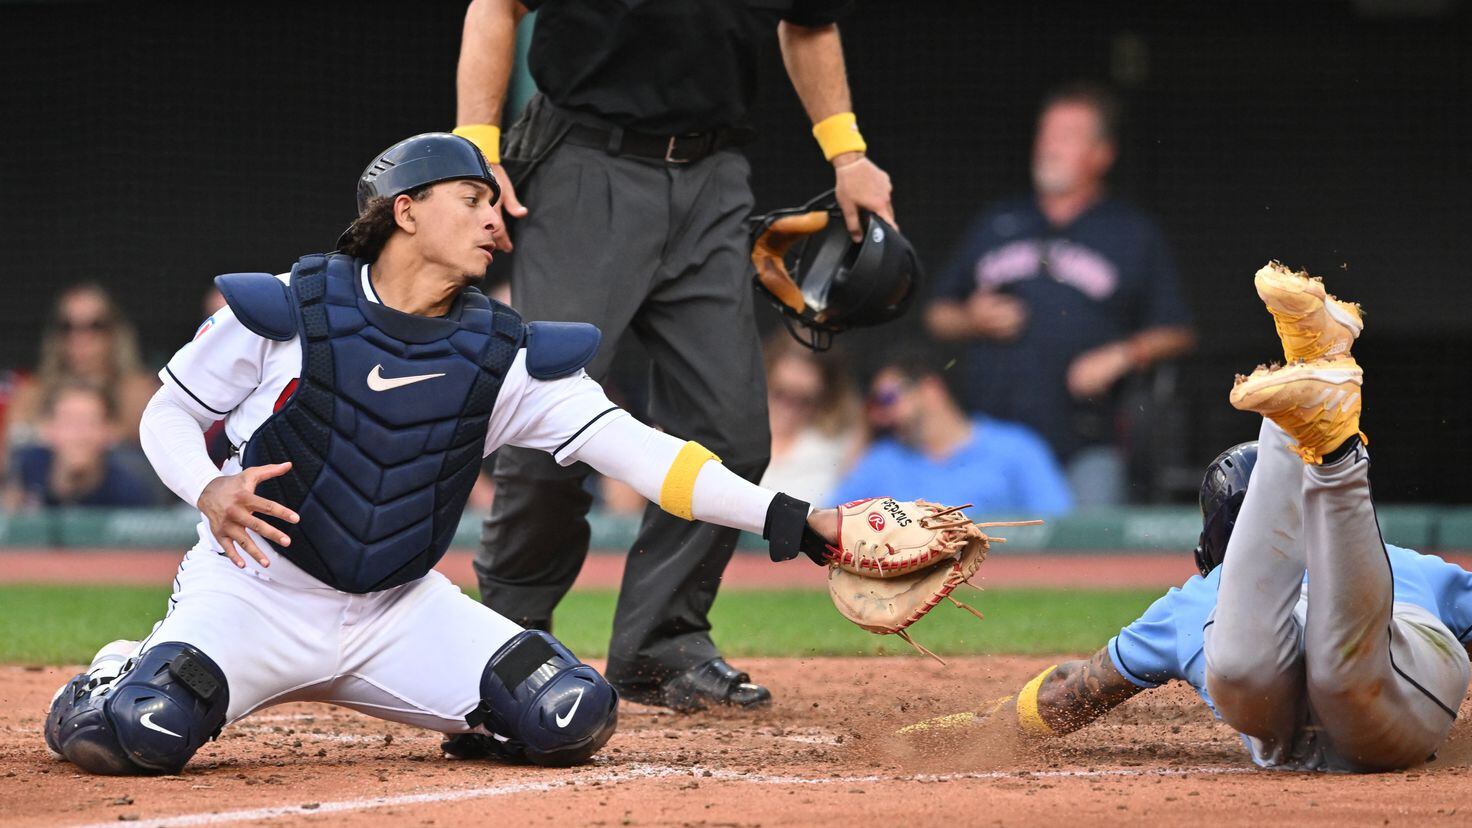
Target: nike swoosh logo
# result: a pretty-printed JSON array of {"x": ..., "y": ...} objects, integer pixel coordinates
[
  {"x": 378, "y": 382},
  {"x": 563, "y": 720},
  {"x": 147, "y": 721}
]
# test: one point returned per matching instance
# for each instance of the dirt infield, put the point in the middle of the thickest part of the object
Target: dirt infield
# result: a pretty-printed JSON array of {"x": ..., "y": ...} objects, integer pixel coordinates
[{"x": 819, "y": 756}]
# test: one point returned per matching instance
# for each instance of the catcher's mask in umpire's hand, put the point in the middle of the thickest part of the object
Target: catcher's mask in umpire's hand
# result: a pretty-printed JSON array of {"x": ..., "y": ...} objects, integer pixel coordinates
[
  {"x": 424, "y": 159},
  {"x": 823, "y": 280},
  {"x": 1222, "y": 491}
]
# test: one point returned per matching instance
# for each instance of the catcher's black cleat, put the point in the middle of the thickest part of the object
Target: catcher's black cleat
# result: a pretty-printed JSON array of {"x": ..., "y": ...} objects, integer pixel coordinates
[
  {"x": 481, "y": 746},
  {"x": 713, "y": 683}
]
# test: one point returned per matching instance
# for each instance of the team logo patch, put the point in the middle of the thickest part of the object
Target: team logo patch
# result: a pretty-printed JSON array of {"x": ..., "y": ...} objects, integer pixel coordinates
[
  {"x": 876, "y": 521},
  {"x": 208, "y": 323}
]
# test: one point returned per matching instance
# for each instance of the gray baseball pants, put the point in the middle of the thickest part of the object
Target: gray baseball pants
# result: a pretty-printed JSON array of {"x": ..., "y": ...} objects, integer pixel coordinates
[
  {"x": 659, "y": 251},
  {"x": 1351, "y": 681}
]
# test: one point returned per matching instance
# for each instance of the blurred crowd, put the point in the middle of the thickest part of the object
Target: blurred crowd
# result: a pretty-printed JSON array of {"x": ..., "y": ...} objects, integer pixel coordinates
[{"x": 1007, "y": 395}]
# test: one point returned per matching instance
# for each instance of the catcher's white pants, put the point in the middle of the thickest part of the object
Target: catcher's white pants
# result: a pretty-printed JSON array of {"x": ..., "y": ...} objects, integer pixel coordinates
[
  {"x": 411, "y": 654},
  {"x": 1330, "y": 673}
]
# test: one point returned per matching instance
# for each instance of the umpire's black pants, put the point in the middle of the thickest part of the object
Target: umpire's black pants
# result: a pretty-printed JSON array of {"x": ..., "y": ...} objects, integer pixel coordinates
[{"x": 660, "y": 251}]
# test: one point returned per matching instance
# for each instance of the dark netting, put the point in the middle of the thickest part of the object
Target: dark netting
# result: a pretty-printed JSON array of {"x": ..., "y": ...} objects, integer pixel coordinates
[{"x": 152, "y": 146}]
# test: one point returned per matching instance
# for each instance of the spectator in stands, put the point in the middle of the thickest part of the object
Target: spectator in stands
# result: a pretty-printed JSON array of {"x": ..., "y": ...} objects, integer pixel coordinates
[
  {"x": 1061, "y": 294},
  {"x": 89, "y": 340},
  {"x": 815, "y": 415},
  {"x": 213, "y": 301},
  {"x": 76, "y": 464},
  {"x": 931, "y": 449}
]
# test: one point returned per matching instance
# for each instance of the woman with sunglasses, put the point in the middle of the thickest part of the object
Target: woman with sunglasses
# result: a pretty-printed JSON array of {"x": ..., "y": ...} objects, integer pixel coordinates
[{"x": 89, "y": 341}]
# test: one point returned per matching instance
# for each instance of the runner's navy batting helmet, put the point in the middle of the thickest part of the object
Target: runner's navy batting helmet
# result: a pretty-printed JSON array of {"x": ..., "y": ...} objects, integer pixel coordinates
[
  {"x": 823, "y": 280},
  {"x": 1222, "y": 491}
]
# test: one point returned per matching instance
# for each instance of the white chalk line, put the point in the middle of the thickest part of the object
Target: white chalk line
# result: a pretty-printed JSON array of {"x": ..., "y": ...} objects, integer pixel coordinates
[{"x": 634, "y": 773}]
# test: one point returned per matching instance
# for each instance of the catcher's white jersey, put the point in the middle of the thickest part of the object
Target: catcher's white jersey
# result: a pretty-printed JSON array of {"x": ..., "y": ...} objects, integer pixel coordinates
[
  {"x": 413, "y": 653},
  {"x": 228, "y": 371}
]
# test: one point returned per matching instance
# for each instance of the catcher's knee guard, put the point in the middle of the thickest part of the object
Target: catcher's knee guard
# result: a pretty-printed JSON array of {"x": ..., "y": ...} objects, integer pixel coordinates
[
  {"x": 551, "y": 708},
  {"x": 151, "y": 719}
]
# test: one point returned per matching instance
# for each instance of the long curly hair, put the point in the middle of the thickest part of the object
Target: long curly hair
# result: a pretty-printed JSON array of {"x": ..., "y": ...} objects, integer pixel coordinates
[{"x": 371, "y": 230}]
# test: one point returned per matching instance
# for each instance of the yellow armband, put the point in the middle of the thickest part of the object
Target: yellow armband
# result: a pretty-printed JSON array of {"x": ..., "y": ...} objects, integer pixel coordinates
[
  {"x": 1027, "y": 706},
  {"x": 677, "y": 493},
  {"x": 838, "y": 134},
  {"x": 485, "y": 136}
]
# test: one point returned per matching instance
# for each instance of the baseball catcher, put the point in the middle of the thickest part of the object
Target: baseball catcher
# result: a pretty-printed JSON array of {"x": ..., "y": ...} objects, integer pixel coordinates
[{"x": 1323, "y": 646}]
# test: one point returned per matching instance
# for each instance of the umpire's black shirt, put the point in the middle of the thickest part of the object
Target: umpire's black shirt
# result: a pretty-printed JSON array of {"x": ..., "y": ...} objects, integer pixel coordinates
[{"x": 661, "y": 67}]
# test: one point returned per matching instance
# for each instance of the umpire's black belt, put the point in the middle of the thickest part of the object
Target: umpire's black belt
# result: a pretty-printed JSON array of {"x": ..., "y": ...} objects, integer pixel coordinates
[{"x": 672, "y": 149}]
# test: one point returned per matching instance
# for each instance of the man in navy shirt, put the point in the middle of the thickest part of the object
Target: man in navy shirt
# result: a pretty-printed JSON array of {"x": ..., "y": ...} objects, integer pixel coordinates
[
  {"x": 934, "y": 451},
  {"x": 1061, "y": 294}
]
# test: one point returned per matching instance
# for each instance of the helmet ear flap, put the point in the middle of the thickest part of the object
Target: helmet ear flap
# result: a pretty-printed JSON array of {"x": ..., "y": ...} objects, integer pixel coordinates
[{"x": 1216, "y": 533}]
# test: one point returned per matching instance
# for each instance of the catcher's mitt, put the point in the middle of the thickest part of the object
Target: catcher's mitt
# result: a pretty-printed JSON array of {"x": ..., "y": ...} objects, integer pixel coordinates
[{"x": 895, "y": 561}]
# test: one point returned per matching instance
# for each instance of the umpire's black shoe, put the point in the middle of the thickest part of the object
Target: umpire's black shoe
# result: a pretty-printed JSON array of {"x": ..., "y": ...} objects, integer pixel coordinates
[{"x": 713, "y": 683}]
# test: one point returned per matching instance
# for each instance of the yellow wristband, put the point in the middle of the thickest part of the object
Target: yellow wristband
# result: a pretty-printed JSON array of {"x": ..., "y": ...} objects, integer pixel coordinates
[
  {"x": 1027, "y": 706},
  {"x": 485, "y": 136},
  {"x": 838, "y": 134},
  {"x": 677, "y": 493}
]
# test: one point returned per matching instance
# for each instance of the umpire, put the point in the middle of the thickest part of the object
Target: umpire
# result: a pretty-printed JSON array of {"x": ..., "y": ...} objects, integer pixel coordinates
[{"x": 635, "y": 195}]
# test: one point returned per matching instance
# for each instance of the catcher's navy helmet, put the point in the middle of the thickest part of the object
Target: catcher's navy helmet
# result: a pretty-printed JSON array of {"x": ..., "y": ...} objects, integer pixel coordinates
[
  {"x": 822, "y": 279},
  {"x": 424, "y": 159},
  {"x": 1222, "y": 491}
]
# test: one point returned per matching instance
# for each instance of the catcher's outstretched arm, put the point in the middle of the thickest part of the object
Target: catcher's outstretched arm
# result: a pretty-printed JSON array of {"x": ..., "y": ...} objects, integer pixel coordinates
[
  {"x": 688, "y": 481},
  {"x": 1065, "y": 697}
]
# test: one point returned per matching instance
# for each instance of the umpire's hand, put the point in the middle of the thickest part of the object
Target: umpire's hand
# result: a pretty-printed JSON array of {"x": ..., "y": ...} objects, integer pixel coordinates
[
  {"x": 509, "y": 204},
  {"x": 859, "y": 184},
  {"x": 230, "y": 504}
]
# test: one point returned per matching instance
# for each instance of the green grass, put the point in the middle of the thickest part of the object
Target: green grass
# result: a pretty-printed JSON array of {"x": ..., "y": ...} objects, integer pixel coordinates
[{"x": 66, "y": 624}]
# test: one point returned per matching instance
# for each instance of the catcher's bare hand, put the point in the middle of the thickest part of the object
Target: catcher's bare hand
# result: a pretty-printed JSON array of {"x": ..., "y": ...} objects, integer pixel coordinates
[
  {"x": 509, "y": 203},
  {"x": 859, "y": 184},
  {"x": 231, "y": 506}
]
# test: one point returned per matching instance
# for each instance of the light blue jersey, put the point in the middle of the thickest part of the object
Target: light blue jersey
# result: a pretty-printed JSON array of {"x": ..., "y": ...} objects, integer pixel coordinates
[{"x": 1166, "y": 642}]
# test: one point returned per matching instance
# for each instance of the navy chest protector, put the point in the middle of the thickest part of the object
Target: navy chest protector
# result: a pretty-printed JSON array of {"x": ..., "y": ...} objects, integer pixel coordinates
[{"x": 387, "y": 426}]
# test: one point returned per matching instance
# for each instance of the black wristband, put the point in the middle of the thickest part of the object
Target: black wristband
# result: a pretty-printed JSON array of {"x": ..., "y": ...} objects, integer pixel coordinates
[{"x": 787, "y": 532}]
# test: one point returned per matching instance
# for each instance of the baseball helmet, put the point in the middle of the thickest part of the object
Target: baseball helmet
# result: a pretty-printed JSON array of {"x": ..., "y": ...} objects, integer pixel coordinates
[
  {"x": 1222, "y": 491},
  {"x": 424, "y": 159},
  {"x": 822, "y": 280}
]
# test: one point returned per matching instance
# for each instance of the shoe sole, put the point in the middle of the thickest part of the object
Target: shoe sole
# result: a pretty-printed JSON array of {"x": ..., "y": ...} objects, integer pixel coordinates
[
  {"x": 1270, "y": 382},
  {"x": 1283, "y": 291}
]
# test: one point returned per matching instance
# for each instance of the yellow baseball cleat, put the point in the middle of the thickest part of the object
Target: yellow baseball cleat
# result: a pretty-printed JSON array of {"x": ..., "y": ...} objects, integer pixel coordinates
[
  {"x": 1311, "y": 323},
  {"x": 1317, "y": 402}
]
